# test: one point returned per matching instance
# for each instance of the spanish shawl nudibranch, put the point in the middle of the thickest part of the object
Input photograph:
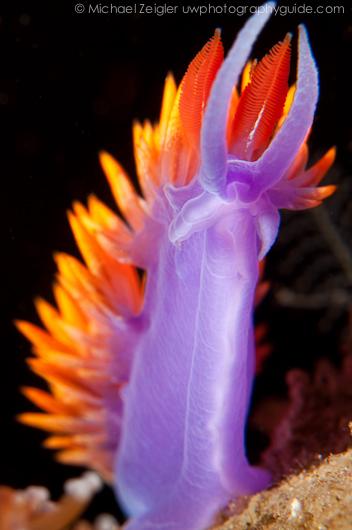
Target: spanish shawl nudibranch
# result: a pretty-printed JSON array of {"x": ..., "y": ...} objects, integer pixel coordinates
[{"x": 151, "y": 380}]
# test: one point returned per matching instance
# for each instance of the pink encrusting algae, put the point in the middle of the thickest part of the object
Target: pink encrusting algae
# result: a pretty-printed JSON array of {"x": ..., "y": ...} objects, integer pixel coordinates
[{"x": 150, "y": 379}]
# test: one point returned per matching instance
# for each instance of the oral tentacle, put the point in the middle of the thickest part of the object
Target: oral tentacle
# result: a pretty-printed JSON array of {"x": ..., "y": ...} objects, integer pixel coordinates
[
  {"x": 213, "y": 133},
  {"x": 280, "y": 154}
]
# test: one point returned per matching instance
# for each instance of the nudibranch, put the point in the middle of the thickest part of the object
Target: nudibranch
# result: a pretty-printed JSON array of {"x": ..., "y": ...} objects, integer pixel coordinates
[{"x": 150, "y": 378}]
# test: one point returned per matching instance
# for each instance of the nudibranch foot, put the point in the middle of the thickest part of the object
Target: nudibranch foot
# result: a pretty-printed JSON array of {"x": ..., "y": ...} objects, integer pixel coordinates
[{"x": 195, "y": 508}]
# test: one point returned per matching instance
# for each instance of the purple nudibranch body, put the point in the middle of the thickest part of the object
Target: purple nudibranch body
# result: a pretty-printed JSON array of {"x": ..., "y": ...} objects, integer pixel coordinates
[
  {"x": 171, "y": 361},
  {"x": 182, "y": 453}
]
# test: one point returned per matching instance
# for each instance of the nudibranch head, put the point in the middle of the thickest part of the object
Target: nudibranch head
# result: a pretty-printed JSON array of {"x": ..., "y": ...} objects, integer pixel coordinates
[
  {"x": 229, "y": 151},
  {"x": 256, "y": 137},
  {"x": 253, "y": 139}
]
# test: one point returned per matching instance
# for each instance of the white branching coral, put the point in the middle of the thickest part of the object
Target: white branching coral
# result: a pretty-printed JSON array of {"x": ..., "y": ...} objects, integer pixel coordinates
[{"x": 33, "y": 509}]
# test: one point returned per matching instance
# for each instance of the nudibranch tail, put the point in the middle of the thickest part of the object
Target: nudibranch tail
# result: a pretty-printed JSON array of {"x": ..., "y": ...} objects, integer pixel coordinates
[{"x": 150, "y": 378}]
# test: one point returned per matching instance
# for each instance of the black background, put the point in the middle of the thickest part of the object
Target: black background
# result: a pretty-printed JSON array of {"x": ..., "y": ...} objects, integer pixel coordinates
[{"x": 71, "y": 84}]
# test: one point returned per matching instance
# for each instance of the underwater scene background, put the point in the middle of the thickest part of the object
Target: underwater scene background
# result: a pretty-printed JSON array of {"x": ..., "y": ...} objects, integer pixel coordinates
[{"x": 71, "y": 85}]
